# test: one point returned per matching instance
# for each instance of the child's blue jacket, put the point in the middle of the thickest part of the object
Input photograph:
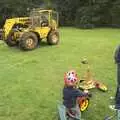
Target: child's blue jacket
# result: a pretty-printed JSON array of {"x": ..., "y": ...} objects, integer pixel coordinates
[{"x": 70, "y": 95}]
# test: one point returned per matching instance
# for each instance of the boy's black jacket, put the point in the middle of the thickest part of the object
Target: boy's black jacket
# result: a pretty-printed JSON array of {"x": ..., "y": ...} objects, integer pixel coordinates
[{"x": 70, "y": 95}]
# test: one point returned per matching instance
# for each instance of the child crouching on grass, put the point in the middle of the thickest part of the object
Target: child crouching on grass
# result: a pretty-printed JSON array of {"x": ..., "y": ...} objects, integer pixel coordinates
[{"x": 70, "y": 93}]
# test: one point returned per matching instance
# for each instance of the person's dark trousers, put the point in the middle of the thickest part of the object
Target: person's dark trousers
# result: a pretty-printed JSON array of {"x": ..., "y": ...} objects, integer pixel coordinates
[{"x": 117, "y": 98}]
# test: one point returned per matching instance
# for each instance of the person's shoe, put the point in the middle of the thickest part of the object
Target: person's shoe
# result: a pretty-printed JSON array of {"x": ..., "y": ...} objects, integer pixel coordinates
[{"x": 112, "y": 107}]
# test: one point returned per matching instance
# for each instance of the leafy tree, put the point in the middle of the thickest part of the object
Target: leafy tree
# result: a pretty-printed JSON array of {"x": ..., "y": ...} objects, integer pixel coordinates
[
  {"x": 79, "y": 13},
  {"x": 115, "y": 13}
]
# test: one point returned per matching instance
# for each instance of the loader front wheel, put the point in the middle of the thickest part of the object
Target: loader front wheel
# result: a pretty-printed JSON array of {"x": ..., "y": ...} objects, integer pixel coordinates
[
  {"x": 10, "y": 41},
  {"x": 53, "y": 38},
  {"x": 29, "y": 41}
]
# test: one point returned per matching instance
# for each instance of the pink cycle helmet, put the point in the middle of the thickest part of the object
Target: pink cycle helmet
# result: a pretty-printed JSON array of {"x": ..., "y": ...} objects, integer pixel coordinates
[{"x": 70, "y": 78}]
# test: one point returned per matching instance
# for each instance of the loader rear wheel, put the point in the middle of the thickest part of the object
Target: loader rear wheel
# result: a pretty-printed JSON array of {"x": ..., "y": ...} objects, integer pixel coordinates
[
  {"x": 53, "y": 38},
  {"x": 29, "y": 41},
  {"x": 10, "y": 41}
]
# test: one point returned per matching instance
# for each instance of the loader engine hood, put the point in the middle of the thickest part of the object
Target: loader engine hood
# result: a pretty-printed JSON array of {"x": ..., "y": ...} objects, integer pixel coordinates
[{"x": 10, "y": 24}]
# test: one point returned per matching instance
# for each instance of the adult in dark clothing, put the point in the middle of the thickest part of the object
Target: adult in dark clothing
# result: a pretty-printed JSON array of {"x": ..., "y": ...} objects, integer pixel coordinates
[
  {"x": 117, "y": 61},
  {"x": 70, "y": 93}
]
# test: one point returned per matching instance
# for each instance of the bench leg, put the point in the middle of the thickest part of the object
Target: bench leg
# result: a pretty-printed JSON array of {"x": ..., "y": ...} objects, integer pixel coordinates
[{"x": 62, "y": 113}]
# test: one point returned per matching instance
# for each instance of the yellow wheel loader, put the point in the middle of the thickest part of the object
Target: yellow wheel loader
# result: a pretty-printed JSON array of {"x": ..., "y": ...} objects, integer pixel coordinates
[{"x": 27, "y": 32}]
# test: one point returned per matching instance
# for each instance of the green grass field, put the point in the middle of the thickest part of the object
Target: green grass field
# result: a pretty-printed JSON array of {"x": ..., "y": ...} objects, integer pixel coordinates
[{"x": 31, "y": 82}]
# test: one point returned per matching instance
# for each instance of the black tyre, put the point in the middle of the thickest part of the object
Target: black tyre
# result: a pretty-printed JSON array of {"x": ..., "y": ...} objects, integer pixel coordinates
[
  {"x": 53, "y": 38},
  {"x": 29, "y": 41},
  {"x": 10, "y": 41}
]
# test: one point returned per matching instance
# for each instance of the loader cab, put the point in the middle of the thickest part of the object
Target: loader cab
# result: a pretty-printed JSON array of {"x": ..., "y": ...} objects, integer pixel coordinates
[{"x": 44, "y": 18}]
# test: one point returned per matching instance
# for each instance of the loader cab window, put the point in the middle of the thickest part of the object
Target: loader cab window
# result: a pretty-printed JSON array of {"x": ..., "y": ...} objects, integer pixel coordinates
[
  {"x": 39, "y": 19},
  {"x": 54, "y": 20},
  {"x": 44, "y": 16},
  {"x": 44, "y": 21}
]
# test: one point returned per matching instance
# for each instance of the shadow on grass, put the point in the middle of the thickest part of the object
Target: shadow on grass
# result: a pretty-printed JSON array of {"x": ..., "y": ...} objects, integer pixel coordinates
[{"x": 42, "y": 44}]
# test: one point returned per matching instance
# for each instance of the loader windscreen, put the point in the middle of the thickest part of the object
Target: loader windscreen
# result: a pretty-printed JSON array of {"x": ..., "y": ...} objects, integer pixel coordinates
[{"x": 39, "y": 19}]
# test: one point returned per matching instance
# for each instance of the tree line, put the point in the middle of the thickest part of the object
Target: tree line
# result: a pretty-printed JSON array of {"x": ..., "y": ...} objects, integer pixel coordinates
[{"x": 78, "y": 13}]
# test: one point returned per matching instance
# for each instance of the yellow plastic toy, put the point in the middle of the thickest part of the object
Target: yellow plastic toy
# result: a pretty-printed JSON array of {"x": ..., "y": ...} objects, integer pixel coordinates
[{"x": 88, "y": 82}]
